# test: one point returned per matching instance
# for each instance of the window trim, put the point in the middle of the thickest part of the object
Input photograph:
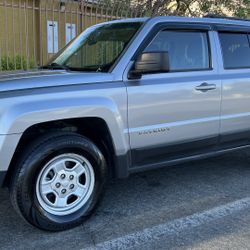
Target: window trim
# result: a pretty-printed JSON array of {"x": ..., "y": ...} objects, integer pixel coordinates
[
  {"x": 221, "y": 49},
  {"x": 177, "y": 27},
  {"x": 231, "y": 28}
]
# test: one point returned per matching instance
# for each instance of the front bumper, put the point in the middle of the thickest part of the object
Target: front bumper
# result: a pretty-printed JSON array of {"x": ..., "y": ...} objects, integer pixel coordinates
[{"x": 2, "y": 177}]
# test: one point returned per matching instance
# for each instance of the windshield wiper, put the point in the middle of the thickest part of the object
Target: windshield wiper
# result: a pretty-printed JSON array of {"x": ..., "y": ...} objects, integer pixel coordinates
[
  {"x": 84, "y": 69},
  {"x": 55, "y": 66}
]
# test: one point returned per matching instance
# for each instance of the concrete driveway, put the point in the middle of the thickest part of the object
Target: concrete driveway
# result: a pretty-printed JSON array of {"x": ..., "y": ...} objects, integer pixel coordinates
[{"x": 201, "y": 205}]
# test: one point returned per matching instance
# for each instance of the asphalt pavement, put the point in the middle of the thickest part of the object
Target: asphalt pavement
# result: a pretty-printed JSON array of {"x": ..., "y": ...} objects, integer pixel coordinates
[{"x": 197, "y": 205}]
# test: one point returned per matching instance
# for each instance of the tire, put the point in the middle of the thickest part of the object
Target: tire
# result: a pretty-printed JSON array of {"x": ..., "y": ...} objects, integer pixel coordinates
[{"x": 41, "y": 170}]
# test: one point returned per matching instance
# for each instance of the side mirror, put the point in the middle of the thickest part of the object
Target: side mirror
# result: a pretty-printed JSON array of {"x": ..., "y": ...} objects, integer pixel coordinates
[{"x": 150, "y": 63}]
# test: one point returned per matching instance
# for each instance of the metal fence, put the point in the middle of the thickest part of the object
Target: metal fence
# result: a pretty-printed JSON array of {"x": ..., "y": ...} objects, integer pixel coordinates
[{"x": 31, "y": 31}]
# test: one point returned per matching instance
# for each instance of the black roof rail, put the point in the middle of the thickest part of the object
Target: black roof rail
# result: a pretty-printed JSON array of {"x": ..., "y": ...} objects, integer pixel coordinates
[{"x": 225, "y": 17}]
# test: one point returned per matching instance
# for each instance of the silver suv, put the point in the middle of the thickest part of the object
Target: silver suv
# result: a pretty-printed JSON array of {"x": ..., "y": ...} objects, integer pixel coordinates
[{"x": 123, "y": 97}]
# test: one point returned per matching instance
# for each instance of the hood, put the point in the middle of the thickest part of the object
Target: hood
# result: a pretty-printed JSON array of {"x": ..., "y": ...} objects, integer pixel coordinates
[
  {"x": 49, "y": 78},
  {"x": 13, "y": 75}
]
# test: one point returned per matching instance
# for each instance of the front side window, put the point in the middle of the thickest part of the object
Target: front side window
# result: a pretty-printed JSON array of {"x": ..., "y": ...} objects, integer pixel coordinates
[
  {"x": 97, "y": 48},
  {"x": 235, "y": 49},
  {"x": 188, "y": 50}
]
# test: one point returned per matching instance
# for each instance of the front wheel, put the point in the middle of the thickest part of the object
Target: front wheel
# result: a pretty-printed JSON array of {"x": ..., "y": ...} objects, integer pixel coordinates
[{"x": 58, "y": 181}]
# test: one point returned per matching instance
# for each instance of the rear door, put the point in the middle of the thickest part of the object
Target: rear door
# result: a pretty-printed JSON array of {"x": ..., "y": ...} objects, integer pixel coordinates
[
  {"x": 234, "y": 50},
  {"x": 177, "y": 114}
]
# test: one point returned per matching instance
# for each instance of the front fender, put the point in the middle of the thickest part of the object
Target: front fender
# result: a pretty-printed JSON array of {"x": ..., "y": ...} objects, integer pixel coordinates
[{"x": 21, "y": 112}]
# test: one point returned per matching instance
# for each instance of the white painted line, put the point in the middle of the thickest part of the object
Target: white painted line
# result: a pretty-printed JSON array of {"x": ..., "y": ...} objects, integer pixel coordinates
[{"x": 173, "y": 227}]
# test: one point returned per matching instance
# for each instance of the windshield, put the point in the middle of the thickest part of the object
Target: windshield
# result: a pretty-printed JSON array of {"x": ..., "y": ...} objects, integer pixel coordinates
[{"x": 96, "y": 49}]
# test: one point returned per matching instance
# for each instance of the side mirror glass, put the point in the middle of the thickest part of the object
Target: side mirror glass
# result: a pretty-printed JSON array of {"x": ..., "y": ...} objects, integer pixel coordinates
[{"x": 150, "y": 63}]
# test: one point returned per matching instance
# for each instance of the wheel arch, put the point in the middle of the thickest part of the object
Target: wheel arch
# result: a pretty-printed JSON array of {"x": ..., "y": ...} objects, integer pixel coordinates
[{"x": 94, "y": 128}]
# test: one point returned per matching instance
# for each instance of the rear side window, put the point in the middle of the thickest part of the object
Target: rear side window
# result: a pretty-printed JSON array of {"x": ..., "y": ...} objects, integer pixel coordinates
[
  {"x": 188, "y": 50},
  {"x": 235, "y": 49}
]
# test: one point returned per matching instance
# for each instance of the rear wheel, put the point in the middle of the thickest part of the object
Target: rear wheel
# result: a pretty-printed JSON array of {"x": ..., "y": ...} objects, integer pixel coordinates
[{"x": 58, "y": 181}]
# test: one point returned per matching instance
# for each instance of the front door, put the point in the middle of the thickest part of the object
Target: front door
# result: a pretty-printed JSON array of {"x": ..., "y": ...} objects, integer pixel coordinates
[{"x": 177, "y": 114}]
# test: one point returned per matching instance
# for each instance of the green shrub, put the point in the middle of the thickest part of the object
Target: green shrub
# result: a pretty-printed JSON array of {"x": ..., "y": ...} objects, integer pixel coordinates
[{"x": 16, "y": 63}]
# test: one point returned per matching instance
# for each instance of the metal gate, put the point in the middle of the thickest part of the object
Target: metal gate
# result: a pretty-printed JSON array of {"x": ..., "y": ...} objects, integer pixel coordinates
[{"x": 31, "y": 31}]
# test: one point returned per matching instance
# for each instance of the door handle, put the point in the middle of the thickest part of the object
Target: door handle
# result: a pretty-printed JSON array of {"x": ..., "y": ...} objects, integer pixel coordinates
[{"x": 204, "y": 87}]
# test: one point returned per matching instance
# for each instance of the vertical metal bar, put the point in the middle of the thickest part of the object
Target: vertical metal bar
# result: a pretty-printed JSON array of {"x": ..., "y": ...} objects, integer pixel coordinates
[
  {"x": 71, "y": 19},
  {"x": 101, "y": 14},
  {"x": 53, "y": 30},
  {"x": 41, "y": 34},
  {"x": 46, "y": 20},
  {"x": 127, "y": 11},
  {"x": 85, "y": 26},
  {"x": 106, "y": 12},
  {"x": 81, "y": 17},
  {"x": 26, "y": 32},
  {"x": 116, "y": 11},
  {"x": 91, "y": 10},
  {"x": 7, "y": 36},
  {"x": 96, "y": 11},
  {"x": 112, "y": 13},
  {"x": 121, "y": 10},
  {"x": 14, "y": 35},
  {"x": 81, "y": 27},
  {"x": 65, "y": 21},
  {"x": 59, "y": 20},
  {"x": 34, "y": 32},
  {"x": 85, "y": 13},
  {"x": 77, "y": 16},
  {"x": 20, "y": 34}
]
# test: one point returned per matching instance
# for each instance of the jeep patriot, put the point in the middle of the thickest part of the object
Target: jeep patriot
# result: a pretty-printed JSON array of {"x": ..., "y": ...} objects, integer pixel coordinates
[{"x": 124, "y": 96}]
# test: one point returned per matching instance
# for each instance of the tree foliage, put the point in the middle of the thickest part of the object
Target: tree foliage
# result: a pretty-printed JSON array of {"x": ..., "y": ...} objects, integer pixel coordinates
[{"x": 239, "y": 8}]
